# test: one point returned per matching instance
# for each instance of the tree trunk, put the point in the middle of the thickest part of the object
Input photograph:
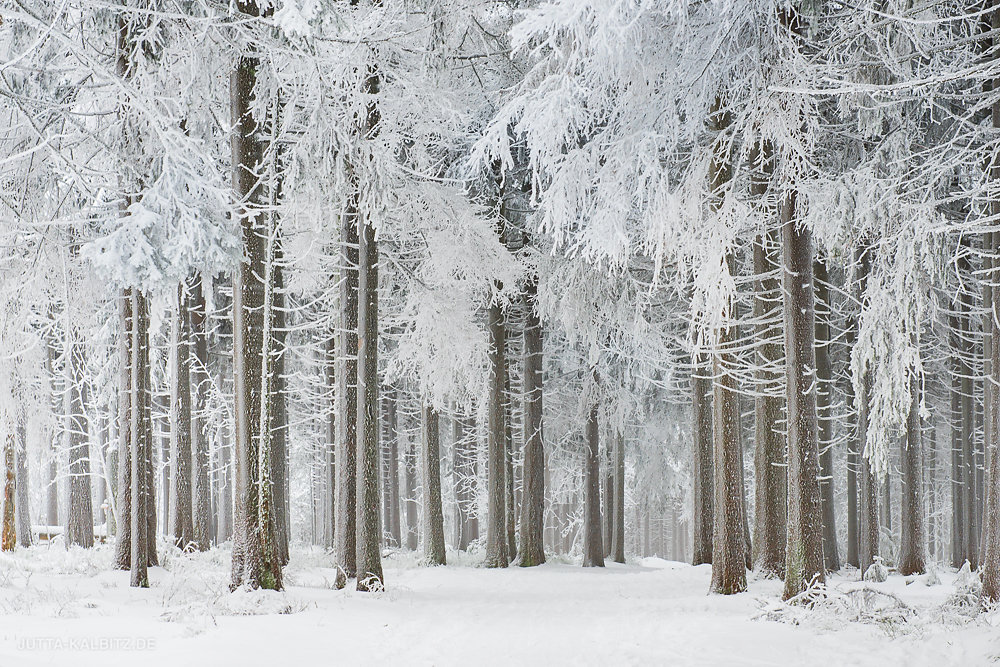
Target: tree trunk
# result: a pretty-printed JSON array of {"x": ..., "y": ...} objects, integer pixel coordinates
[
  {"x": 769, "y": 440},
  {"x": 181, "y": 511},
  {"x": 467, "y": 480},
  {"x": 369, "y": 556},
  {"x": 804, "y": 549},
  {"x": 410, "y": 489},
  {"x": 729, "y": 548},
  {"x": 509, "y": 500},
  {"x": 618, "y": 493},
  {"x": 80, "y": 514},
  {"x": 533, "y": 496},
  {"x": 868, "y": 538},
  {"x": 23, "y": 516},
  {"x": 8, "y": 537},
  {"x": 278, "y": 412},
  {"x": 201, "y": 490},
  {"x": 434, "y": 552},
  {"x": 911, "y": 558},
  {"x": 391, "y": 450},
  {"x": 593, "y": 541},
  {"x": 702, "y": 471},
  {"x": 345, "y": 509},
  {"x": 253, "y": 525},
  {"x": 138, "y": 442},
  {"x": 497, "y": 554},
  {"x": 957, "y": 497},
  {"x": 971, "y": 546},
  {"x": 824, "y": 378}
]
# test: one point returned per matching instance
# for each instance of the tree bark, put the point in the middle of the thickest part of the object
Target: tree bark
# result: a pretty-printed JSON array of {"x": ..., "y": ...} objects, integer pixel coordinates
[
  {"x": 618, "y": 492},
  {"x": 24, "y": 533},
  {"x": 497, "y": 554},
  {"x": 911, "y": 558},
  {"x": 434, "y": 551},
  {"x": 253, "y": 528},
  {"x": 729, "y": 548},
  {"x": 201, "y": 490},
  {"x": 702, "y": 471},
  {"x": 770, "y": 489},
  {"x": 80, "y": 512},
  {"x": 593, "y": 541},
  {"x": 346, "y": 393},
  {"x": 804, "y": 550},
  {"x": 868, "y": 538},
  {"x": 181, "y": 511},
  {"x": 533, "y": 496},
  {"x": 391, "y": 451},
  {"x": 369, "y": 556},
  {"x": 824, "y": 378},
  {"x": 410, "y": 489},
  {"x": 466, "y": 480}
]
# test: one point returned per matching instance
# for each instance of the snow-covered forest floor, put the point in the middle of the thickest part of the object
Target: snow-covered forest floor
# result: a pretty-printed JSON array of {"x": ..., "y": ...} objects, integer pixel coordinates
[{"x": 58, "y": 606}]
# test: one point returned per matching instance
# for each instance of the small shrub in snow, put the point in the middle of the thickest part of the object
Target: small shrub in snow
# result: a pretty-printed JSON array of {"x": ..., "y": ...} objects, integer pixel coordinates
[{"x": 877, "y": 572}]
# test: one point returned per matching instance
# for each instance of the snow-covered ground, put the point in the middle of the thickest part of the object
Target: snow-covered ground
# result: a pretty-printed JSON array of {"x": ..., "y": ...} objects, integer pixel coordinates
[{"x": 61, "y": 607}]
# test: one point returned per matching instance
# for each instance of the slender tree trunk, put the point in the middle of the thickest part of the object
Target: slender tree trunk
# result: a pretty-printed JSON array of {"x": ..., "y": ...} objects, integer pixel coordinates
[
  {"x": 968, "y": 437},
  {"x": 824, "y": 378},
  {"x": 868, "y": 539},
  {"x": 607, "y": 493},
  {"x": 139, "y": 442},
  {"x": 278, "y": 409},
  {"x": 369, "y": 558},
  {"x": 8, "y": 538},
  {"x": 593, "y": 542},
  {"x": 618, "y": 523},
  {"x": 392, "y": 468},
  {"x": 702, "y": 471},
  {"x": 24, "y": 533},
  {"x": 509, "y": 499},
  {"x": 201, "y": 489},
  {"x": 410, "y": 489},
  {"x": 930, "y": 486},
  {"x": 991, "y": 522},
  {"x": 345, "y": 511},
  {"x": 729, "y": 548},
  {"x": 804, "y": 564},
  {"x": 769, "y": 440},
  {"x": 181, "y": 510},
  {"x": 434, "y": 552},
  {"x": 497, "y": 554},
  {"x": 253, "y": 525},
  {"x": 533, "y": 497},
  {"x": 957, "y": 497},
  {"x": 911, "y": 558},
  {"x": 80, "y": 514}
]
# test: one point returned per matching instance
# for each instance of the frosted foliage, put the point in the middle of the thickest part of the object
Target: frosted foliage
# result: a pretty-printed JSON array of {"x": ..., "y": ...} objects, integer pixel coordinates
[{"x": 887, "y": 351}]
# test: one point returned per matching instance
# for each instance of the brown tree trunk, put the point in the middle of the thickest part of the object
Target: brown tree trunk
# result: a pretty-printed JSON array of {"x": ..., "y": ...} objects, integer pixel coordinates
[
  {"x": 703, "y": 469},
  {"x": 201, "y": 489},
  {"x": 391, "y": 450},
  {"x": 253, "y": 524},
  {"x": 804, "y": 563},
  {"x": 769, "y": 440},
  {"x": 369, "y": 556},
  {"x": 533, "y": 499},
  {"x": 24, "y": 533},
  {"x": 497, "y": 554},
  {"x": 911, "y": 558},
  {"x": 868, "y": 538},
  {"x": 181, "y": 514},
  {"x": 824, "y": 377},
  {"x": 593, "y": 542},
  {"x": 618, "y": 492},
  {"x": 434, "y": 551}
]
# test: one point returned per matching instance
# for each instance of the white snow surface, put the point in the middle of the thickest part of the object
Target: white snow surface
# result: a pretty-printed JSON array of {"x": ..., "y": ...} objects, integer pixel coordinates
[{"x": 60, "y": 607}]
